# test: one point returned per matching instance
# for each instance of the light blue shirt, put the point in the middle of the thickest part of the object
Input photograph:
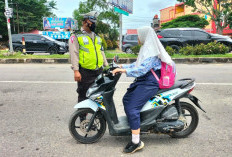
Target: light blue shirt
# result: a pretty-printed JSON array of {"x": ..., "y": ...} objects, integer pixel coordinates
[{"x": 148, "y": 64}]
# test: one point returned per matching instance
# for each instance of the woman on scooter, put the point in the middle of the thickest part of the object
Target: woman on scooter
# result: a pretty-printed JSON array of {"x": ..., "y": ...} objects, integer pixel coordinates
[{"x": 145, "y": 85}]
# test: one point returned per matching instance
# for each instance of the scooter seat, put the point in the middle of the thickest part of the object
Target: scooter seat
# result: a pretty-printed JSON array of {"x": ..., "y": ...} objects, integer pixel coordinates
[{"x": 178, "y": 84}]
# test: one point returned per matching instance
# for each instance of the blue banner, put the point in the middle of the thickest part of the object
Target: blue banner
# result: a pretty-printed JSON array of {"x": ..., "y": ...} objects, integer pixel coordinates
[
  {"x": 62, "y": 23},
  {"x": 57, "y": 35}
]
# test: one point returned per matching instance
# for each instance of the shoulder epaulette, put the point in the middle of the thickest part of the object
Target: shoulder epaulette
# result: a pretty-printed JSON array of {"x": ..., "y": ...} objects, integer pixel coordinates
[
  {"x": 77, "y": 33},
  {"x": 80, "y": 35}
]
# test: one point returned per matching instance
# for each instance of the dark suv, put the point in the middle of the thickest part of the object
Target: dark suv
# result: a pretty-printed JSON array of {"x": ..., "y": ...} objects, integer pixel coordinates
[
  {"x": 36, "y": 43},
  {"x": 129, "y": 41},
  {"x": 179, "y": 37}
]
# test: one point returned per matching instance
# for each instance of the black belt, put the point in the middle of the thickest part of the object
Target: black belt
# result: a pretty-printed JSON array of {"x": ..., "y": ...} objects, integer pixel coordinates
[{"x": 91, "y": 70}]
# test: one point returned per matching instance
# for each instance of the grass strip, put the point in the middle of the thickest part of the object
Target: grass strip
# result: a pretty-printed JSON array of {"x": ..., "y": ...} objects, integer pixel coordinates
[
  {"x": 21, "y": 56},
  {"x": 228, "y": 55},
  {"x": 108, "y": 55}
]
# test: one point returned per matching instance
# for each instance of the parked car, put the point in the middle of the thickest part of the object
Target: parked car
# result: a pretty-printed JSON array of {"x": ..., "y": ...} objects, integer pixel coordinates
[
  {"x": 36, "y": 43},
  {"x": 179, "y": 37},
  {"x": 129, "y": 41}
]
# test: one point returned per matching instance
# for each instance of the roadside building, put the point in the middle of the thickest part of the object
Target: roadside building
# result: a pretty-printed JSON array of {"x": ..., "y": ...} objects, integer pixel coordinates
[
  {"x": 172, "y": 12},
  {"x": 131, "y": 31}
]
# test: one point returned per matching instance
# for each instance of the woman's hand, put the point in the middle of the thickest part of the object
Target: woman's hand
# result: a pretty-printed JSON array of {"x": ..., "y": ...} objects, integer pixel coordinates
[{"x": 118, "y": 70}]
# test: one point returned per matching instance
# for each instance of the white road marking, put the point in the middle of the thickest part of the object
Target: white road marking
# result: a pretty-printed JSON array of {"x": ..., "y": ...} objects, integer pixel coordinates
[
  {"x": 216, "y": 84},
  {"x": 40, "y": 82},
  {"x": 70, "y": 82},
  {"x": 219, "y": 84}
]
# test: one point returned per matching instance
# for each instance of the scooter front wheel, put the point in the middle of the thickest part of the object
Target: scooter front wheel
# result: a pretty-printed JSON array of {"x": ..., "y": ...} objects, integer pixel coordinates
[{"x": 78, "y": 126}]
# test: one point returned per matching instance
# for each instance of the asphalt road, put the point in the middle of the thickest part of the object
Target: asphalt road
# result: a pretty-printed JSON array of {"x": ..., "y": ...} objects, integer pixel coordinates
[{"x": 36, "y": 101}]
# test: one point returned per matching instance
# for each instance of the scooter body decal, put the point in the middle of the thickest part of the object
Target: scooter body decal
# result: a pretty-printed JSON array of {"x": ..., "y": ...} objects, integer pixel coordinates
[
  {"x": 100, "y": 103},
  {"x": 162, "y": 99}
]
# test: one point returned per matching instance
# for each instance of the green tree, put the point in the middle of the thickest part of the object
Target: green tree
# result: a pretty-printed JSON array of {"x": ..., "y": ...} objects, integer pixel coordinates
[
  {"x": 220, "y": 11},
  {"x": 30, "y": 13},
  {"x": 110, "y": 45},
  {"x": 113, "y": 34},
  {"x": 108, "y": 20},
  {"x": 3, "y": 26},
  {"x": 186, "y": 21},
  {"x": 106, "y": 13},
  {"x": 102, "y": 28}
]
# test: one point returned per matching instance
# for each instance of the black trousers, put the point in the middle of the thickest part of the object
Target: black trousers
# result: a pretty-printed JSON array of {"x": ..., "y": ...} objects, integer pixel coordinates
[{"x": 87, "y": 79}]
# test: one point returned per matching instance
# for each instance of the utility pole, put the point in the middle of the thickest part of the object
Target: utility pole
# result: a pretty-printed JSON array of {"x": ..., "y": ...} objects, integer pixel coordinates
[
  {"x": 120, "y": 24},
  {"x": 120, "y": 31},
  {"x": 118, "y": 8},
  {"x": 17, "y": 16},
  {"x": 8, "y": 27}
]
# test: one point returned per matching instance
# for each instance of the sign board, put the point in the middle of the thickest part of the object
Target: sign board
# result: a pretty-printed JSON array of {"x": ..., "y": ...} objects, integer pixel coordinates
[
  {"x": 121, "y": 11},
  {"x": 62, "y": 23},
  {"x": 8, "y": 12},
  {"x": 126, "y": 5},
  {"x": 75, "y": 25},
  {"x": 56, "y": 35}
]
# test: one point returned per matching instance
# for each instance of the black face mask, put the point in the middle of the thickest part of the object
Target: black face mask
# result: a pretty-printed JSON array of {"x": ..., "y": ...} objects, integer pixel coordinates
[{"x": 92, "y": 27}]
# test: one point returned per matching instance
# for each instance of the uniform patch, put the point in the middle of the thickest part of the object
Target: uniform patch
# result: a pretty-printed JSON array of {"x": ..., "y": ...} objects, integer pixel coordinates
[
  {"x": 85, "y": 40},
  {"x": 72, "y": 39},
  {"x": 99, "y": 40}
]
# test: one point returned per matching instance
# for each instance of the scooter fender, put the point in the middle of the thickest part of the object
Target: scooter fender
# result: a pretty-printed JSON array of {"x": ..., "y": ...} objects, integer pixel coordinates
[
  {"x": 87, "y": 104},
  {"x": 195, "y": 101}
]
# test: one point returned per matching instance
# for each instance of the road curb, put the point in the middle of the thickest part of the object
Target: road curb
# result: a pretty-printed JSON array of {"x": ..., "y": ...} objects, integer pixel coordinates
[
  {"x": 35, "y": 61},
  {"x": 202, "y": 60},
  {"x": 122, "y": 60}
]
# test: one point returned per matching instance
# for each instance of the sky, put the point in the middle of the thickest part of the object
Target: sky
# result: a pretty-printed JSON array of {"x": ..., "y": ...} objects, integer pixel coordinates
[{"x": 143, "y": 13}]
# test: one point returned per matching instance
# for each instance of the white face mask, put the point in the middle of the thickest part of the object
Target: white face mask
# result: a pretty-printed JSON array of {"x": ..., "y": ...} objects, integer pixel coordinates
[{"x": 151, "y": 46}]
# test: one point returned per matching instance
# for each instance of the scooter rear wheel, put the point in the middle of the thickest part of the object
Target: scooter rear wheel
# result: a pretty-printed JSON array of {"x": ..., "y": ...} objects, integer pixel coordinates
[
  {"x": 78, "y": 125},
  {"x": 191, "y": 117}
]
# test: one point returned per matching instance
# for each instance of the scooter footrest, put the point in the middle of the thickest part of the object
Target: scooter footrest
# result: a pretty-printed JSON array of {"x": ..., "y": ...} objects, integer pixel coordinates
[{"x": 123, "y": 124}]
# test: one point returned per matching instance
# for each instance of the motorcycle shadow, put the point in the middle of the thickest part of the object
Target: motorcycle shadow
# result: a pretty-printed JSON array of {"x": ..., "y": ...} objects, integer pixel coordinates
[{"x": 118, "y": 141}]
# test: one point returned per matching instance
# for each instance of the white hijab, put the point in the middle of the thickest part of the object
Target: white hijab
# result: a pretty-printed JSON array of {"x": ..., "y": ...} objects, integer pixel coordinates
[{"x": 151, "y": 46}]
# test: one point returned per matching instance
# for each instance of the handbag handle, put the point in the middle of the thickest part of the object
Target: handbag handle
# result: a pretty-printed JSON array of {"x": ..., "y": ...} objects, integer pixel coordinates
[{"x": 155, "y": 75}]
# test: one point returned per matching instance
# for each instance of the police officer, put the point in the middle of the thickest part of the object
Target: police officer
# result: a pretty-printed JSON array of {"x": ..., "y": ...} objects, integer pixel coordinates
[{"x": 86, "y": 54}]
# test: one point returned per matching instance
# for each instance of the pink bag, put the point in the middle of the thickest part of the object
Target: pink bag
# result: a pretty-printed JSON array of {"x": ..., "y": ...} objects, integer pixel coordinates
[{"x": 168, "y": 74}]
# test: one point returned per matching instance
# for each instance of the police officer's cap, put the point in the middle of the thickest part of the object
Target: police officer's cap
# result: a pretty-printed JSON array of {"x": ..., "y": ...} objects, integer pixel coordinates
[{"x": 92, "y": 16}]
